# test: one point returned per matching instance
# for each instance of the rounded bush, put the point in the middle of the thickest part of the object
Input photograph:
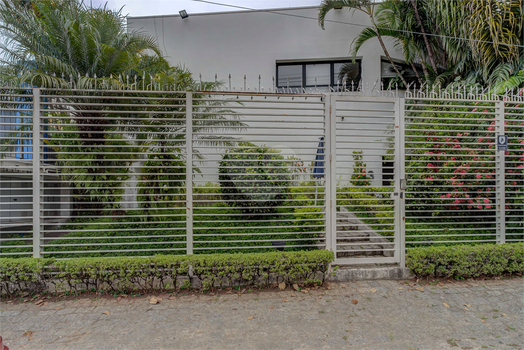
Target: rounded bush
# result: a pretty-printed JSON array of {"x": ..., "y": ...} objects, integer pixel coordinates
[{"x": 254, "y": 179}]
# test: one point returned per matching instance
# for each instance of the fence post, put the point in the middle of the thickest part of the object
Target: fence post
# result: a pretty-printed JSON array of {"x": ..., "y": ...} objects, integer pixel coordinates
[
  {"x": 189, "y": 172},
  {"x": 37, "y": 178},
  {"x": 501, "y": 177},
  {"x": 400, "y": 199},
  {"x": 330, "y": 173}
]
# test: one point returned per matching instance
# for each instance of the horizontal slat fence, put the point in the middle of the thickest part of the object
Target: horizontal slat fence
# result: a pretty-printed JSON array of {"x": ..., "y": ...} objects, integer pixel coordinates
[
  {"x": 460, "y": 188},
  {"x": 137, "y": 173}
]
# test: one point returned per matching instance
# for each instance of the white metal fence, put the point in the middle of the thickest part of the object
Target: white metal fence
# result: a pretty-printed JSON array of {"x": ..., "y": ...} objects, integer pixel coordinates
[{"x": 108, "y": 173}]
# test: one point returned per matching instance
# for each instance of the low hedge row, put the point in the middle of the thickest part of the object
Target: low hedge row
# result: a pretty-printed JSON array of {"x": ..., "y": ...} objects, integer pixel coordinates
[
  {"x": 162, "y": 272},
  {"x": 467, "y": 261}
]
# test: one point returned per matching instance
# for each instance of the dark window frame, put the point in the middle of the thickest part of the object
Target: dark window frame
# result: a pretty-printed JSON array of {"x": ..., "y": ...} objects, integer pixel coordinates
[
  {"x": 402, "y": 66},
  {"x": 304, "y": 76}
]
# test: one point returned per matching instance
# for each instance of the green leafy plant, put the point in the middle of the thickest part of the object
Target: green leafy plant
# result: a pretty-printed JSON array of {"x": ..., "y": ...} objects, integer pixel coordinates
[
  {"x": 254, "y": 179},
  {"x": 359, "y": 177}
]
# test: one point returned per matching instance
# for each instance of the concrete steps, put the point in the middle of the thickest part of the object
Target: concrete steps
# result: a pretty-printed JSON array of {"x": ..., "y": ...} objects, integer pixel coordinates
[{"x": 355, "y": 239}]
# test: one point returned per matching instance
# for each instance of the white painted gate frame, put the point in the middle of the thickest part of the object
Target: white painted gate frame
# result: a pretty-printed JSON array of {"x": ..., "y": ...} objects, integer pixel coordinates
[{"x": 331, "y": 195}]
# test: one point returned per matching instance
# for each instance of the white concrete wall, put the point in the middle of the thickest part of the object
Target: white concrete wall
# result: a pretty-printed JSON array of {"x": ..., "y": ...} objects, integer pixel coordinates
[{"x": 252, "y": 42}]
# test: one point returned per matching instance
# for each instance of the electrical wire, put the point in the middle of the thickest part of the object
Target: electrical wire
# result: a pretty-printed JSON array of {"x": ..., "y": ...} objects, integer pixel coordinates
[{"x": 352, "y": 24}]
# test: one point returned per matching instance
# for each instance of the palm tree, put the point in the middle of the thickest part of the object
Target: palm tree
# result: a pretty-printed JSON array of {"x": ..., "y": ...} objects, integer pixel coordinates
[
  {"x": 66, "y": 44},
  {"x": 473, "y": 41},
  {"x": 490, "y": 33},
  {"x": 54, "y": 42},
  {"x": 366, "y": 6},
  {"x": 395, "y": 20}
]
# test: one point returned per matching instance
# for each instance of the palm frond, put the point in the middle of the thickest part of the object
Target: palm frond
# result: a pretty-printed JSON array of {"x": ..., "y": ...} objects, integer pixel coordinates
[{"x": 366, "y": 6}]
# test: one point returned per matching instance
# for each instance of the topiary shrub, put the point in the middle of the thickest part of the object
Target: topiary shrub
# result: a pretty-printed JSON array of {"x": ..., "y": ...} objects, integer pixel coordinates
[{"x": 254, "y": 179}]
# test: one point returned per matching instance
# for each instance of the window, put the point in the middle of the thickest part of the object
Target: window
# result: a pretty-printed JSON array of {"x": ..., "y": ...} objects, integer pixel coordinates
[
  {"x": 322, "y": 74},
  {"x": 389, "y": 76}
]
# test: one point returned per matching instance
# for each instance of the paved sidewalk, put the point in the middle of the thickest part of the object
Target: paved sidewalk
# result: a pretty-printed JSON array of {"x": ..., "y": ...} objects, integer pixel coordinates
[{"x": 388, "y": 315}]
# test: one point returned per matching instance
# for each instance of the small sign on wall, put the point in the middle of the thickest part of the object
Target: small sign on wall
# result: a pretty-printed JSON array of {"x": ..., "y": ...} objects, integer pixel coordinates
[{"x": 502, "y": 142}]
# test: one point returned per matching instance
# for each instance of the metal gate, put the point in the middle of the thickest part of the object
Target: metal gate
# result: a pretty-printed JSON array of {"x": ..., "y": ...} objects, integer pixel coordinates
[{"x": 365, "y": 172}]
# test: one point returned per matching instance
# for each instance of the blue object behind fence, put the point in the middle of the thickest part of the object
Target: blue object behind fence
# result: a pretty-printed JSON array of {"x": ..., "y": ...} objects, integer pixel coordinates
[{"x": 318, "y": 169}]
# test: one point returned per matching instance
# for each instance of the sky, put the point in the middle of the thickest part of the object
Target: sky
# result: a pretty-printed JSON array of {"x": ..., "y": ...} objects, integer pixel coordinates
[{"x": 136, "y": 8}]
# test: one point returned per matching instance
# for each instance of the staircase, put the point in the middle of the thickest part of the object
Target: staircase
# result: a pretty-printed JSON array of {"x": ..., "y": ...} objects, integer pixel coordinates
[{"x": 355, "y": 239}]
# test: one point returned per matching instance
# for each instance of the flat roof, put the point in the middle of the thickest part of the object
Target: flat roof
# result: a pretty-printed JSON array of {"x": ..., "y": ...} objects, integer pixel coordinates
[{"x": 229, "y": 12}]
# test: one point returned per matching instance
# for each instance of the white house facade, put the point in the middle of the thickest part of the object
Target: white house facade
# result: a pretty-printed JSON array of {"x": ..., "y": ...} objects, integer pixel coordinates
[{"x": 284, "y": 47}]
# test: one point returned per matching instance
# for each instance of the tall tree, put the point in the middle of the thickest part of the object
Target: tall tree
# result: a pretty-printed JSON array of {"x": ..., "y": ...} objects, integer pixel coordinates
[
  {"x": 50, "y": 43},
  {"x": 473, "y": 41},
  {"x": 365, "y": 6},
  {"x": 66, "y": 44}
]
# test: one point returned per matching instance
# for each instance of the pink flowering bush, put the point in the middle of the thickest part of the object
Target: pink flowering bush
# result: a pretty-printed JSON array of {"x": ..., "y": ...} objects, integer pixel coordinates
[{"x": 451, "y": 170}]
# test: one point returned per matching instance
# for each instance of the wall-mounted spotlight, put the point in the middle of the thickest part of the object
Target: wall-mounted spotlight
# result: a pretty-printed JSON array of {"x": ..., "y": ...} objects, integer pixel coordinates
[{"x": 183, "y": 14}]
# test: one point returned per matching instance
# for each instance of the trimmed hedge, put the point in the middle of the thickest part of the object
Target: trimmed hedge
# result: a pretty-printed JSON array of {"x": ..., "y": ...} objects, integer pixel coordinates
[
  {"x": 162, "y": 272},
  {"x": 467, "y": 261}
]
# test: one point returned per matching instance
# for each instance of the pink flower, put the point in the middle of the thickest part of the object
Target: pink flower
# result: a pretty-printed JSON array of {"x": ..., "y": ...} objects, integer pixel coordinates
[
  {"x": 479, "y": 206},
  {"x": 479, "y": 176},
  {"x": 459, "y": 134},
  {"x": 486, "y": 200},
  {"x": 485, "y": 111},
  {"x": 474, "y": 110},
  {"x": 448, "y": 195}
]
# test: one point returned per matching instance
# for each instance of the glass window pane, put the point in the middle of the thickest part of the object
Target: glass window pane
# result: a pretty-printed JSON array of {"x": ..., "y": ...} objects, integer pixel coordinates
[
  {"x": 290, "y": 76},
  {"x": 318, "y": 74},
  {"x": 387, "y": 70},
  {"x": 349, "y": 71}
]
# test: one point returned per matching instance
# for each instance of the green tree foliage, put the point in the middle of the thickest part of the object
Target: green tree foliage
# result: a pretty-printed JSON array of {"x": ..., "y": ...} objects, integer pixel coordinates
[
  {"x": 67, "y": 44},
  {"x": 473, "y": 41},
  {"x": 50, "y": 43}
]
